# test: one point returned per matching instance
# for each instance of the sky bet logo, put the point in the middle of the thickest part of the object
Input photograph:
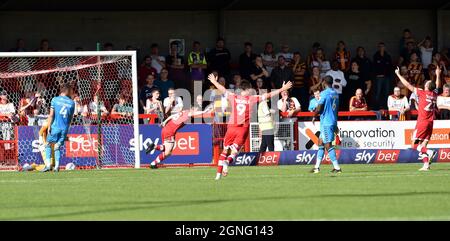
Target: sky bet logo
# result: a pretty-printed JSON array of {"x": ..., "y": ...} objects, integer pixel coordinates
[
  {"x": 269, "y": 159},
  {"x": 305, "y": 158},
  {"x": 246, "y": 159},
  {"x": 367, "y": 156},
  {"x": 186, "y": 143},
  {"x": 87, "y": 146}
]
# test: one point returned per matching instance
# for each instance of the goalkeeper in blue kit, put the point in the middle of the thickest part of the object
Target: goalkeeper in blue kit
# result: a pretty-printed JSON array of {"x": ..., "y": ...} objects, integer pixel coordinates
[
  {"x": 327, "y": 107},
  {"x": 62, "y": 109}
]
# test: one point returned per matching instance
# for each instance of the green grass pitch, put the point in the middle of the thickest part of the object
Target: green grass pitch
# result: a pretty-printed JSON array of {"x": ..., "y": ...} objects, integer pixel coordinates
[{"x": 362, "y": 192}]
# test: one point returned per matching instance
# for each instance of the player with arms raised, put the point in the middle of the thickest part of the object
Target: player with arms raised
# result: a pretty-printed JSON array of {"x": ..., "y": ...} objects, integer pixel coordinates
[
  {"x": 62, "y": 108},
  {"x": 238, "y": 125},
  {"x": 427, "y": 106},
  {"x": 327, "y": 107},
  {"x": 170, "y": 127}
]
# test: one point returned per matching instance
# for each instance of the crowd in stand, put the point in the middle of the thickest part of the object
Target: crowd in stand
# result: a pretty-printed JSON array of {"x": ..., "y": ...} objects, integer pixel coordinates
[{"x": 363, "y": 82}]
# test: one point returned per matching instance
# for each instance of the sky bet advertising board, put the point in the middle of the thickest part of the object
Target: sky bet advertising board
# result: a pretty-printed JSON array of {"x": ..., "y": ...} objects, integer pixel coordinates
[{"x": 193, "y": 145}]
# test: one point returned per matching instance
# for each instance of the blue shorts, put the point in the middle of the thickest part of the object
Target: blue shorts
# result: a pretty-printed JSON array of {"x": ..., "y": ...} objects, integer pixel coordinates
[
  {"x": 57, "y": 136},
  {"x": 327, "y": 133}
]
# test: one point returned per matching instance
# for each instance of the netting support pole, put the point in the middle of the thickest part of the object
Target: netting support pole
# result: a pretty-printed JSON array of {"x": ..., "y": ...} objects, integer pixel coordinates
[
  {"x": 99, "y": 115},
  {"x": 137, "y": 144}
]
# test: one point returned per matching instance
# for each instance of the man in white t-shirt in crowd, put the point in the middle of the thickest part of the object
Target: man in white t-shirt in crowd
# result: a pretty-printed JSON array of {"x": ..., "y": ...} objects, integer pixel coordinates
[
  {"x": 288, "y": 56},
  {"x": 398, "y": 102},
  {"x": 270, "y": 59},
  {"x": 413, "y": 101},
  {"x": 339, "y": 81},
  {"x": 288, "y": 104},
  {"x": 172, "y": 104},
  {"x": 443, "y": 103},
  {"x": 158, "y": 61}
]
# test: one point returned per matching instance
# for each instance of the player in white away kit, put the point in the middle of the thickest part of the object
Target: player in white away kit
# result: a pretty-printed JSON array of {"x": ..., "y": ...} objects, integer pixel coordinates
[
  {"x": 238, "y": 126},
  {"x": 426, "y": 111}
]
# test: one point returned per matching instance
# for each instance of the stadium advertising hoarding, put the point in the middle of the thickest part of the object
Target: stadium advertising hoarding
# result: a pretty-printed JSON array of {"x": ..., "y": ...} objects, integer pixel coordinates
[
  {"x": 345, "y": 156},
  {"x": 193, "y": 145},
  {"x": 374, "y": 134}
]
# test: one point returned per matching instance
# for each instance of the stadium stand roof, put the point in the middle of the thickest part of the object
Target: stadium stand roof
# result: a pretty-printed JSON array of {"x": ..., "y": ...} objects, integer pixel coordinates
[{"x": 140, "y": 5}]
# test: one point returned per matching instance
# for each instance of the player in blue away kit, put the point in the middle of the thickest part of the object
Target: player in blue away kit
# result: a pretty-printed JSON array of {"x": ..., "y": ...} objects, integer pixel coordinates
[
  {"x": 61, "y": 113},
  {"x": 327, "y": 107}
]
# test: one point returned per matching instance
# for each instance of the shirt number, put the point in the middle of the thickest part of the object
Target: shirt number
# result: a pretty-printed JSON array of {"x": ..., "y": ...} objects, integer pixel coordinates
[
  {"x": 241, "y": 108},
  {"x": 63, "y": 112},
  {"x": 430, "y": 106}
]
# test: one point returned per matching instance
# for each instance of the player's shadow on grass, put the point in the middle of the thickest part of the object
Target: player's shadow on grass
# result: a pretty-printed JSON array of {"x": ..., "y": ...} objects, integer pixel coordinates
[{"x": 147, "y": 205}]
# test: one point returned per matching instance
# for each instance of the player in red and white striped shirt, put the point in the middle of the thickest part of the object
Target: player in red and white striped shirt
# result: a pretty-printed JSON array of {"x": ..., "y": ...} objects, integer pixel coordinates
[
  {"x": 238, "y": 125},
  {"x": 426, "y": 112}
]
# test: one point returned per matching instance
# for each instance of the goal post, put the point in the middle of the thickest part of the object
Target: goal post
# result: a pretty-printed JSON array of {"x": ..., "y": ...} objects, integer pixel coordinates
[{"x": 103, "y": 80}]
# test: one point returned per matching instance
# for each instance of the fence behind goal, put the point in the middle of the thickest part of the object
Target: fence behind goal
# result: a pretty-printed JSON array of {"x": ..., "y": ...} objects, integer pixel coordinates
[{"x": 102, "y": 81}]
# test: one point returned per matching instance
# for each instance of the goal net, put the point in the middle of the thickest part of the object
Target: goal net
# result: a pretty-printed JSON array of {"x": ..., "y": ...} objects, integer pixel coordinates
[{"x": 106, "y": 114}]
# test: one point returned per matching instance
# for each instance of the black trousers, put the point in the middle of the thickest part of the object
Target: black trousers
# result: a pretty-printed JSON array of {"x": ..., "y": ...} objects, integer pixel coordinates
[
  {"x": 267, "y": 142},
  {"x": 445, "y": 114}
]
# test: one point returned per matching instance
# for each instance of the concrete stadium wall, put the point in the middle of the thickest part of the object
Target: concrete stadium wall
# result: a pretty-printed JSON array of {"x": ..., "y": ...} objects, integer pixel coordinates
[
  {"x": 445, "y": 30},
  {"x": 299, "y": 29},
  {"x": 68, "y": 30}
]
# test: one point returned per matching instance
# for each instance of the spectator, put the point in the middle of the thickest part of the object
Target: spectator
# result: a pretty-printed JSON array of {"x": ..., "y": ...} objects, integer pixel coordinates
[
  {"x": 415, "y": 71},
  {"x": 259, "y": 71},
  {"x": 289, "y": 105},
  {"x": 197, "y": 64},
  {"x": 358, "y": 102},
  {"x": 79, "y": 109},
  {"x": 300, "y": 86},
  {"x": 426, "y": 53},
  {"x": 172, "y": 104},
  {"x": 443, "y": 103},
  {"x": 314, "y": 101},
  {"x": 288, "y": 56},
  {"x": 246, "y": 61},
  {"x": 164, "y": 84},
  {"x": 407, "y": 37},
  {"x": 175, "y": 66},
  {"x": 260, "y": 87},
  {"x": 20, "y": 46},
  {"x": 312, "y": 56},
  {"x": 365, "y": 67},
  {"x": 269, "y": 57},
  {"x": 122, "y": 108},
  {"x": 266, "y": 127},
  {"x": 355, "y": 80},
  {"x": 405, "y": 55},
  {"x": 321, "y": 62},
  {"x": 154, "y": 106},
  {"x": 158, "y": 61},
  {"x": 44, "y": 46},
  {"x": 36, "y": 118},
  {"x": 315, "y": 81},
  {"x": 399, "y": 103},
  {"x": 237, "y": 79},
  {"x": 97, "y": 105},
  {"x": 108, "y": 47},
  {"x": 281, "y": 74},
  {"x": 219, "y": 59},
  {"x": 413, "y": 101},
  {"x": 7, "y": 110},
  {"x": 382, "y": 68},
  {"x": 339, "y": 81},
  {"x": 199, "y": 102},
  {"x": 437, "y": 61},
  {"x": 145, "y": 70},
  {"x": 146, "y": 91},
  {"x": 342, "y": 55}
]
